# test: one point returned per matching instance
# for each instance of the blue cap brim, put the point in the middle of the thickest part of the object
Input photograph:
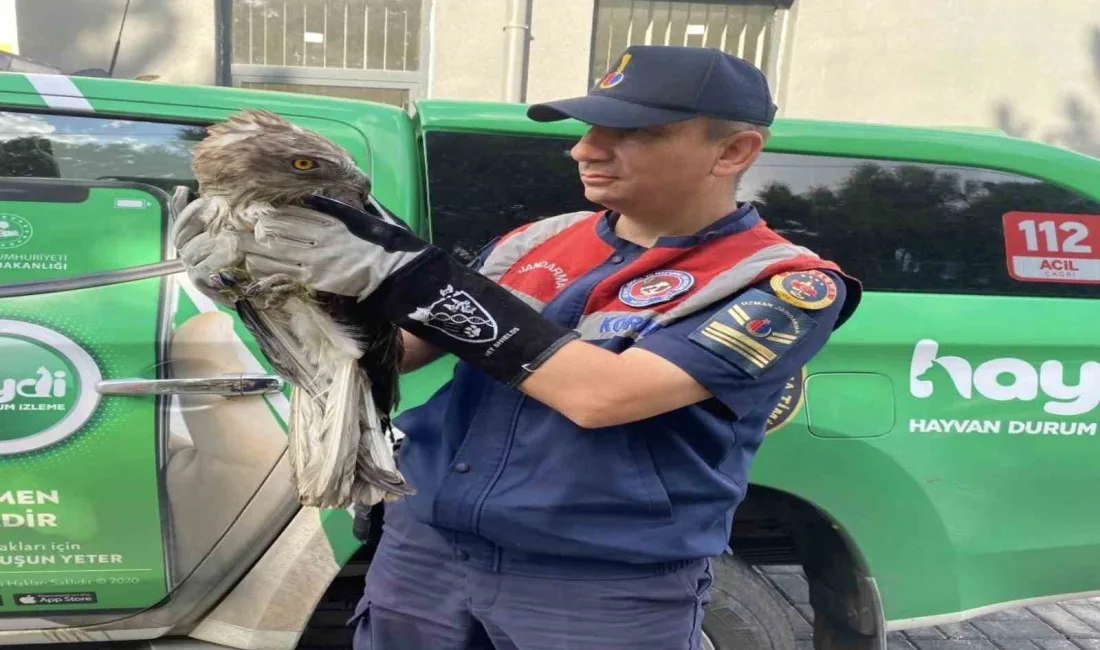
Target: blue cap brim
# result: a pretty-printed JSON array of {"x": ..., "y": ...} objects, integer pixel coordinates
[{"x": 606, "y": 111}]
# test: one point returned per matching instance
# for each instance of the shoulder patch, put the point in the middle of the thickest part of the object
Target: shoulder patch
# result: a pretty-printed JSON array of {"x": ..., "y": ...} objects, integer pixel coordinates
[
  {"x": 805, "y": 289},
  {"x": 656, "y": 287},
  {"x": 753, "y": 331}
]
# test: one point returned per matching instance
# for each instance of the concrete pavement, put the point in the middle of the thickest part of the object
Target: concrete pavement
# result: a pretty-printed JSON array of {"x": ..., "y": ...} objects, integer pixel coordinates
[{"x": 1068, "y": 625}]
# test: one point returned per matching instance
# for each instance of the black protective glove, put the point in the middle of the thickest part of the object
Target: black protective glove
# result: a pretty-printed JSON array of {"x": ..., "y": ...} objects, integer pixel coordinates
[{"x": 420, "y": 288}]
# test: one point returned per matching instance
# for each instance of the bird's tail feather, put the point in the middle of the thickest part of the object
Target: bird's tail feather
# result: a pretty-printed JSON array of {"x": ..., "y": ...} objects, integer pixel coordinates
[
  {"x": 302, "y": 448},
  {"x": 375, "y": 460},
  {"x": 339, "y": 450},
  {"x": 327, "y": 481}
]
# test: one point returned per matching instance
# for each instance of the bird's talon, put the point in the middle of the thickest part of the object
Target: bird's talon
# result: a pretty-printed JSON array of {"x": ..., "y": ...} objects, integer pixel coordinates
[
  {"x": 281, "y": 283},
  {"x": 271, "y": 291}
]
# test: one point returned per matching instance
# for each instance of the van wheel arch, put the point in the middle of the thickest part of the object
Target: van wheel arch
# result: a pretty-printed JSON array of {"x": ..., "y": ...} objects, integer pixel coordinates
[{"x": 777, "y": 528}]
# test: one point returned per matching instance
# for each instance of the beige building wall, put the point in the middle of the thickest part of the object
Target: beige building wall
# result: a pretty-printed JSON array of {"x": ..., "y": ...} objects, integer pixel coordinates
[
  {"x": 170, "y": 38},
  {"x": 1028, "y": 67},
  {"x": 468, "y": 49},
  {"x": 561, "y": 49}
]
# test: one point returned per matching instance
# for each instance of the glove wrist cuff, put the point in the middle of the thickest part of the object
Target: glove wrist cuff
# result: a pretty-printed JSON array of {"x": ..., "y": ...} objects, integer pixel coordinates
[{"x": 465, "y": 313}]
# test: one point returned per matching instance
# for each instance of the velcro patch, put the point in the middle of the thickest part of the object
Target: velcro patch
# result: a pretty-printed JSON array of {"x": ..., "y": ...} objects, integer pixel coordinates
[{"x": 753, "y": 331}]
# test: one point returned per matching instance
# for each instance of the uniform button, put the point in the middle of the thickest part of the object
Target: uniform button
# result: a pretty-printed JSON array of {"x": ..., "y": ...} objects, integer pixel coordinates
[
  {"x": 462, "y": 468},
  {"x": 462, "y": 555},
  {"x": 616, "y": 259}
]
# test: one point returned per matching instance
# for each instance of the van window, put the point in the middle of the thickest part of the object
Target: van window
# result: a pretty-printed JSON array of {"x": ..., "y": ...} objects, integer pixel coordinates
[
  {"x": 898, "y": 226},
  {"x": 903, "y": 226},
  {"x": 483, "y": 185},
  {"x": 97, "y": 148}
]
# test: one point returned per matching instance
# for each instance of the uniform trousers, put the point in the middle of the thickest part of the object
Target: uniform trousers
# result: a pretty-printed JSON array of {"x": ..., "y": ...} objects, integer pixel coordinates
[{"x": 420, "y": 595}]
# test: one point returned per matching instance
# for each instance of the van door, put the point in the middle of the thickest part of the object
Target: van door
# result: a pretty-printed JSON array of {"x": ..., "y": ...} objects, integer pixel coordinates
[{"x": 116, "y": 482}]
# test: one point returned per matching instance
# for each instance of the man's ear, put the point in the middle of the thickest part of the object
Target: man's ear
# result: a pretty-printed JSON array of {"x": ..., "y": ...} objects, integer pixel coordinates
[{"x": 739, "y": 150}]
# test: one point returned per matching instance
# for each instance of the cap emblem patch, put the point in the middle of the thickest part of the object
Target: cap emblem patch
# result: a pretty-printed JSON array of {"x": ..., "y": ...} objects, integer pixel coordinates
[{"x": 616, "y": 76}]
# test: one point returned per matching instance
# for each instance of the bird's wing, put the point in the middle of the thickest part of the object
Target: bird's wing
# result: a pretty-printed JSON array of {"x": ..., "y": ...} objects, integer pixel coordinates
[{"x": 284, "y": 353}]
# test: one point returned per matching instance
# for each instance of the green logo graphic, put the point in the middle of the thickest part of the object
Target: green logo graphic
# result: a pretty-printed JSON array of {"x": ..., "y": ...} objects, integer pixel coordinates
[
  {"x": 14, "y": 231},
  {"x": 47, "y": 387}
]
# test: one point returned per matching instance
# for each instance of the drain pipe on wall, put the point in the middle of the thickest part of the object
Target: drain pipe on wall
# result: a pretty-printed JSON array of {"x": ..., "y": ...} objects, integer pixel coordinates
[{"x": 517, "y": 35}]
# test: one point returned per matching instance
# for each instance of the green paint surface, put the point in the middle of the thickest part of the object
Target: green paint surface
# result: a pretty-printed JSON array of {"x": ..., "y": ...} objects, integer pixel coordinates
[{"x": 80, "y": 518}]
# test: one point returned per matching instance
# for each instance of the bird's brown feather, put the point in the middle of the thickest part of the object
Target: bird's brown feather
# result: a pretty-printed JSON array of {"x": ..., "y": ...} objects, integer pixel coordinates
[{"x": 248, "y": 166}]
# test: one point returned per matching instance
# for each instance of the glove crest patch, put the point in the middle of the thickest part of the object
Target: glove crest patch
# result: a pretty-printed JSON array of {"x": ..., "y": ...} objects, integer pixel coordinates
[{"x": 458, "y": 315}]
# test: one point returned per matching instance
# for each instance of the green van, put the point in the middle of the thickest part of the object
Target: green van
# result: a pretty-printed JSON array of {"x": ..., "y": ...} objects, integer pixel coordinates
[{"x": 935, "y": 462}]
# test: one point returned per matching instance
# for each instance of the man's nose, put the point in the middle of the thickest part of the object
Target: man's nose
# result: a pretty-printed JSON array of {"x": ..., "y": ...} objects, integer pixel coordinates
[{"x": 594, "y": 146}]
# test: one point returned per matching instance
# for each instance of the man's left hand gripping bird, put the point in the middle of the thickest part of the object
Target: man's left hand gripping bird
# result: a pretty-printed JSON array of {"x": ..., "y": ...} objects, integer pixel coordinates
[{"x": 250, "y": 168}]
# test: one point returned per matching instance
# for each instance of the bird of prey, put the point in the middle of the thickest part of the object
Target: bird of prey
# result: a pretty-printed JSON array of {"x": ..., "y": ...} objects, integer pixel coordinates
[{"x": 344, "y": 378}]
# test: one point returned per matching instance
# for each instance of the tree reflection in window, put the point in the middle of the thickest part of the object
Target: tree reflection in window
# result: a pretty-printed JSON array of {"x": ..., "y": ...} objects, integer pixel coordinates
[
  {"x": 897, "y": 226},
  {"x": 905, "y": 226},
  {"x": 35, "y": 145}
]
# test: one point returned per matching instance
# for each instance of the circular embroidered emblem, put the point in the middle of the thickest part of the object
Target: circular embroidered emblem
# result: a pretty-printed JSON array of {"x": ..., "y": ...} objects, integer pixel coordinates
[
  {"x": 805, "y": 289},
  {"x": 655, "y": 287},
  {"x": 789, "y": 404}
]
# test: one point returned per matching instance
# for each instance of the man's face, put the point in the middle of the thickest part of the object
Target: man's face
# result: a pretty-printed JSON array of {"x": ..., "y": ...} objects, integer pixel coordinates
[{"x": 658, "y": 167}]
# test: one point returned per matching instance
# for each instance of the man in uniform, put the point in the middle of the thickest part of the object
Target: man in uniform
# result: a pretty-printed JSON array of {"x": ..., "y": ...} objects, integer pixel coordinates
[{"x": 616, "y": 372}]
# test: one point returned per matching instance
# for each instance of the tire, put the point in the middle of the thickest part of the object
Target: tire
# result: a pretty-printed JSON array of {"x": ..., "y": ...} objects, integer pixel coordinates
[{"x": 745, "y": 611}]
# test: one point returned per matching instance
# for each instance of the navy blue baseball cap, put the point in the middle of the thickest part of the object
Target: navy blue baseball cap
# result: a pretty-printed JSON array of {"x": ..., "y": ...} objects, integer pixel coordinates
[{"x": 659, "y": 84}]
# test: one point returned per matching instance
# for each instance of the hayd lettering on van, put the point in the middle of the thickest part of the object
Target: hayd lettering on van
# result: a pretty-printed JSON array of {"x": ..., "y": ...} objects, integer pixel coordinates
[{"x": 1007, "y": 379}]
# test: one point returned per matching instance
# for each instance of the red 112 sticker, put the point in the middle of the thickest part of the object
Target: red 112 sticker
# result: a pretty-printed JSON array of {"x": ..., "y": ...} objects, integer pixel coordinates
[{"x": 1050, "y": 247}]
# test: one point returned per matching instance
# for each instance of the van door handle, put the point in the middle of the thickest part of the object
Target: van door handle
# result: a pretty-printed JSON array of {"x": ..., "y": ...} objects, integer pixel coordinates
[{"x": 228, "y": 385}]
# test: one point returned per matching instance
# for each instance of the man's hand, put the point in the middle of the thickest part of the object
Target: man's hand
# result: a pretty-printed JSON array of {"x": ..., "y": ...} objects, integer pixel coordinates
[
  {"x": 336, "y": 248},
  {"x": 203, "y": 256},
  {"x": 314, "y": 249},
  {"x": 321, "y": 252}
]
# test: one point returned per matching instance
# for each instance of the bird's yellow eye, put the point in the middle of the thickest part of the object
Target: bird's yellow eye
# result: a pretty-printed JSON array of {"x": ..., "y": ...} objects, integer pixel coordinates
[{"x": 304, "y": 164}]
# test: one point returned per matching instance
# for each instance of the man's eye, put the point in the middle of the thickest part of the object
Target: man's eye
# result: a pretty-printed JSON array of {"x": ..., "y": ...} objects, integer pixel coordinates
[{"x": 304, "y": 164}]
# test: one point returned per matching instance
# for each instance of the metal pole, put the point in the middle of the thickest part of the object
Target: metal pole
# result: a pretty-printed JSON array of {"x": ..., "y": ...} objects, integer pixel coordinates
[
  {"x": 223, "y": 43},
  {"x": 516, "y": 38}
]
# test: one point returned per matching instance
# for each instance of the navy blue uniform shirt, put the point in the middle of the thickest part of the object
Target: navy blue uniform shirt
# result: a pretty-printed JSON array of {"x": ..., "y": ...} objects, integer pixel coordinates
[{"x": 517, "y": 487}]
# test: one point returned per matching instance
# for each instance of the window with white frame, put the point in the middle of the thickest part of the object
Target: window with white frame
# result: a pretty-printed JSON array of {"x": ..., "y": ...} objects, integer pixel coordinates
[
  {"x": 750, "y": 29},
  {"x": 362, "y": 49}
]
